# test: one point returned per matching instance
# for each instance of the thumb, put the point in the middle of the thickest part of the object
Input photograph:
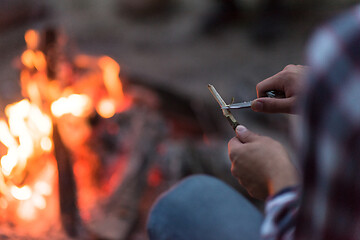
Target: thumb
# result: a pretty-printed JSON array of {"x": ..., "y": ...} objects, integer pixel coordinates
[
  {"x": 273, "y": 105},
  {"x": 245, "y": 135}
]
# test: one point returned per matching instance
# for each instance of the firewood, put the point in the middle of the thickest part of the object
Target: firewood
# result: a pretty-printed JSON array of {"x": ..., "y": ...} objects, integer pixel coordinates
[
  {"x": 69, "y": 211},
  {"x": 120, "y": 212}
]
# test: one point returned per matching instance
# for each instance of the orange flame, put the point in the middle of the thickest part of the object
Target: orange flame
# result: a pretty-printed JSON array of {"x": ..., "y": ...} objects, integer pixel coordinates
[
  {"x": 106, "y": 108},
  {"x": 27, "y": 132},
  {"x": 22, "y": 193},
  {"x": 8, "y": 162},
  {"x": 111, "y": 70},
  {"x": 34, "y": 59},
  {"x": 5, "y": 136},
  {"x": 78, "y": 105},
  {"x": 32, "y": 39}
]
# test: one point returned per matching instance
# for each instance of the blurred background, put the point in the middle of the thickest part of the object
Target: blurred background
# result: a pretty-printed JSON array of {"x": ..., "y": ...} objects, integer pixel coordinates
[
  {"x": 181, "y": 45},
  {"x": 173, "y": 49}
]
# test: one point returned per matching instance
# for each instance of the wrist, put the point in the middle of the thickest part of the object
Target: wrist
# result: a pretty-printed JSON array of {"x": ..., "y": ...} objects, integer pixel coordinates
[{"x": 284, "y": 180}]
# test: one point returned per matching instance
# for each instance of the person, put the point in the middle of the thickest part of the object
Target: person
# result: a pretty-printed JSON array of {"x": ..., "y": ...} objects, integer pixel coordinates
[{"x": 322, "y": 202}]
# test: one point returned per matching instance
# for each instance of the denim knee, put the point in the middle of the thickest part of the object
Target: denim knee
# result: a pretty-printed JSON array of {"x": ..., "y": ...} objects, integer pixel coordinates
[{"x": 173, "y": 205}]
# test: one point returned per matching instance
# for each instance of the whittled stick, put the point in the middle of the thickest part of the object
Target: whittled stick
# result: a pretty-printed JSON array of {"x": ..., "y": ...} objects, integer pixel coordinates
[{"x": 222, "y": 104}]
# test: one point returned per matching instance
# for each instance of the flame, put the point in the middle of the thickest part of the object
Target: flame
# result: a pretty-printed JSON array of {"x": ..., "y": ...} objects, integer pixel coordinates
[
  {"x": 3, "y": 187},
  {"x": 106, "y": 108},
  {"x": 28, "y": 124},
  {"x": 26, "y": 210},
  {"x": 111, "y": 70},
  {"x": 9, "y": 161},
  {"x": 85, "y": 61},
  {"x": 46, "y": 144},
  {"x": 3, "y": 203},
  {"x": 32, "y": 39},
  {"x": 27, "y": 135},
  {"x": 39, "y": 201},
  {"x": 23, "y": 193},
  {"x": 76, "y": 104},
  {"x": 27, "y": 58},
  {"x": 5, "y": 136},
  {"x": 34, "y": 59},
  {"x": 27, "y": 131},
  {"x": 43, "y": 188},
  {"x": 33, "y": 92},
  {"x": 40, "y": 121}
]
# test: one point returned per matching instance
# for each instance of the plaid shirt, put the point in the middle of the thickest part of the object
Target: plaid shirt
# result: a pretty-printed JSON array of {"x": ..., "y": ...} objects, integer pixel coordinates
[{"x": 329, "y": 205}]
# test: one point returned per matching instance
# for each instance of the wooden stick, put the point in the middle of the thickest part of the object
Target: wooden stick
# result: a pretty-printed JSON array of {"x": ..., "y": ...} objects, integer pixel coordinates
[
  {"x": 70, "y": 216},
  {"x": 222, "y": 104},
  {"x": 67, "y": 188}
]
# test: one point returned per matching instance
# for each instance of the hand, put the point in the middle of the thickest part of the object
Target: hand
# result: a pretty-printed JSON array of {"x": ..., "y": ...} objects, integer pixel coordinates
[
  {"x": 260, "y": 164},
  {"x": 290, "y": 81}
]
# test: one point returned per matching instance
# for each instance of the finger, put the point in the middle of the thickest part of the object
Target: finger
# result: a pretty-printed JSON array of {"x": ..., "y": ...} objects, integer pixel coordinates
[
  {"x": 274, "y": 105},
  {"x": 291, "y": 67},
  {"x": 235, "y": 173},
  {"x": 233, "y": 143},
  {"x": 234, "y": 148},
  {"x": 245, "y": 135},
  {"x": 272, "y": 83}
]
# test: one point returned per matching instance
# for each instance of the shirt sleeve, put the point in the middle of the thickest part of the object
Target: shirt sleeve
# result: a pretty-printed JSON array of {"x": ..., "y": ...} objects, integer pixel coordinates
[{"x": 280, "y": 215}]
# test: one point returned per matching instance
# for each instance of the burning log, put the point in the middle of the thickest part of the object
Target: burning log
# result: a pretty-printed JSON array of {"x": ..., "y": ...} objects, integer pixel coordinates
[
  {"x": 70, "y": 217},
  {"x": 120, "y": 211},
  {"x": 51, "y": 51}
]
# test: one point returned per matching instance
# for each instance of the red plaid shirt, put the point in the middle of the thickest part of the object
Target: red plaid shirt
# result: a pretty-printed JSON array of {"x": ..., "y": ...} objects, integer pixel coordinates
[{"x": 329, "y": 205}]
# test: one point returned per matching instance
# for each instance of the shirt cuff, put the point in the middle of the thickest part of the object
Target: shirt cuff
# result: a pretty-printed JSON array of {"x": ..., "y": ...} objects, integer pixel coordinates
[{"x": 294, "y": 188}]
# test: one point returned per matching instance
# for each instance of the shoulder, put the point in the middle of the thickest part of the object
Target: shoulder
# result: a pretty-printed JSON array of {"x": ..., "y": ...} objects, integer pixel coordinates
[{"x": 336, "y": 39}]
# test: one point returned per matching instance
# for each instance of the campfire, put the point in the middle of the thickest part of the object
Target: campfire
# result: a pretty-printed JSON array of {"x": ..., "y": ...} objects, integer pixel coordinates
[
  {"x": 82, "y": 147},
  {"x": 53, "y": 117}
]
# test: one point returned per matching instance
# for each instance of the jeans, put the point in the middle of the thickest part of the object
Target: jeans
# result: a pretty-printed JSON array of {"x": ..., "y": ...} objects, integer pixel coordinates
[{"x": 203, "y": 208}]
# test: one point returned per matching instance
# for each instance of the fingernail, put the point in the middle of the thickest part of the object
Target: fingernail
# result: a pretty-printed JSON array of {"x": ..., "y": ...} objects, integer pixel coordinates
[
  {"x": 240, "y": 129},
  {"x": 257, "y": 106}
]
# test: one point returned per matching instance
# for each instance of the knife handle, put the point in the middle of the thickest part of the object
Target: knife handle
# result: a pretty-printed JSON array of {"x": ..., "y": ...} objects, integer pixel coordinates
[
  {"x": 232, "y": 121},
  {"x": 275, "y": 94}
]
